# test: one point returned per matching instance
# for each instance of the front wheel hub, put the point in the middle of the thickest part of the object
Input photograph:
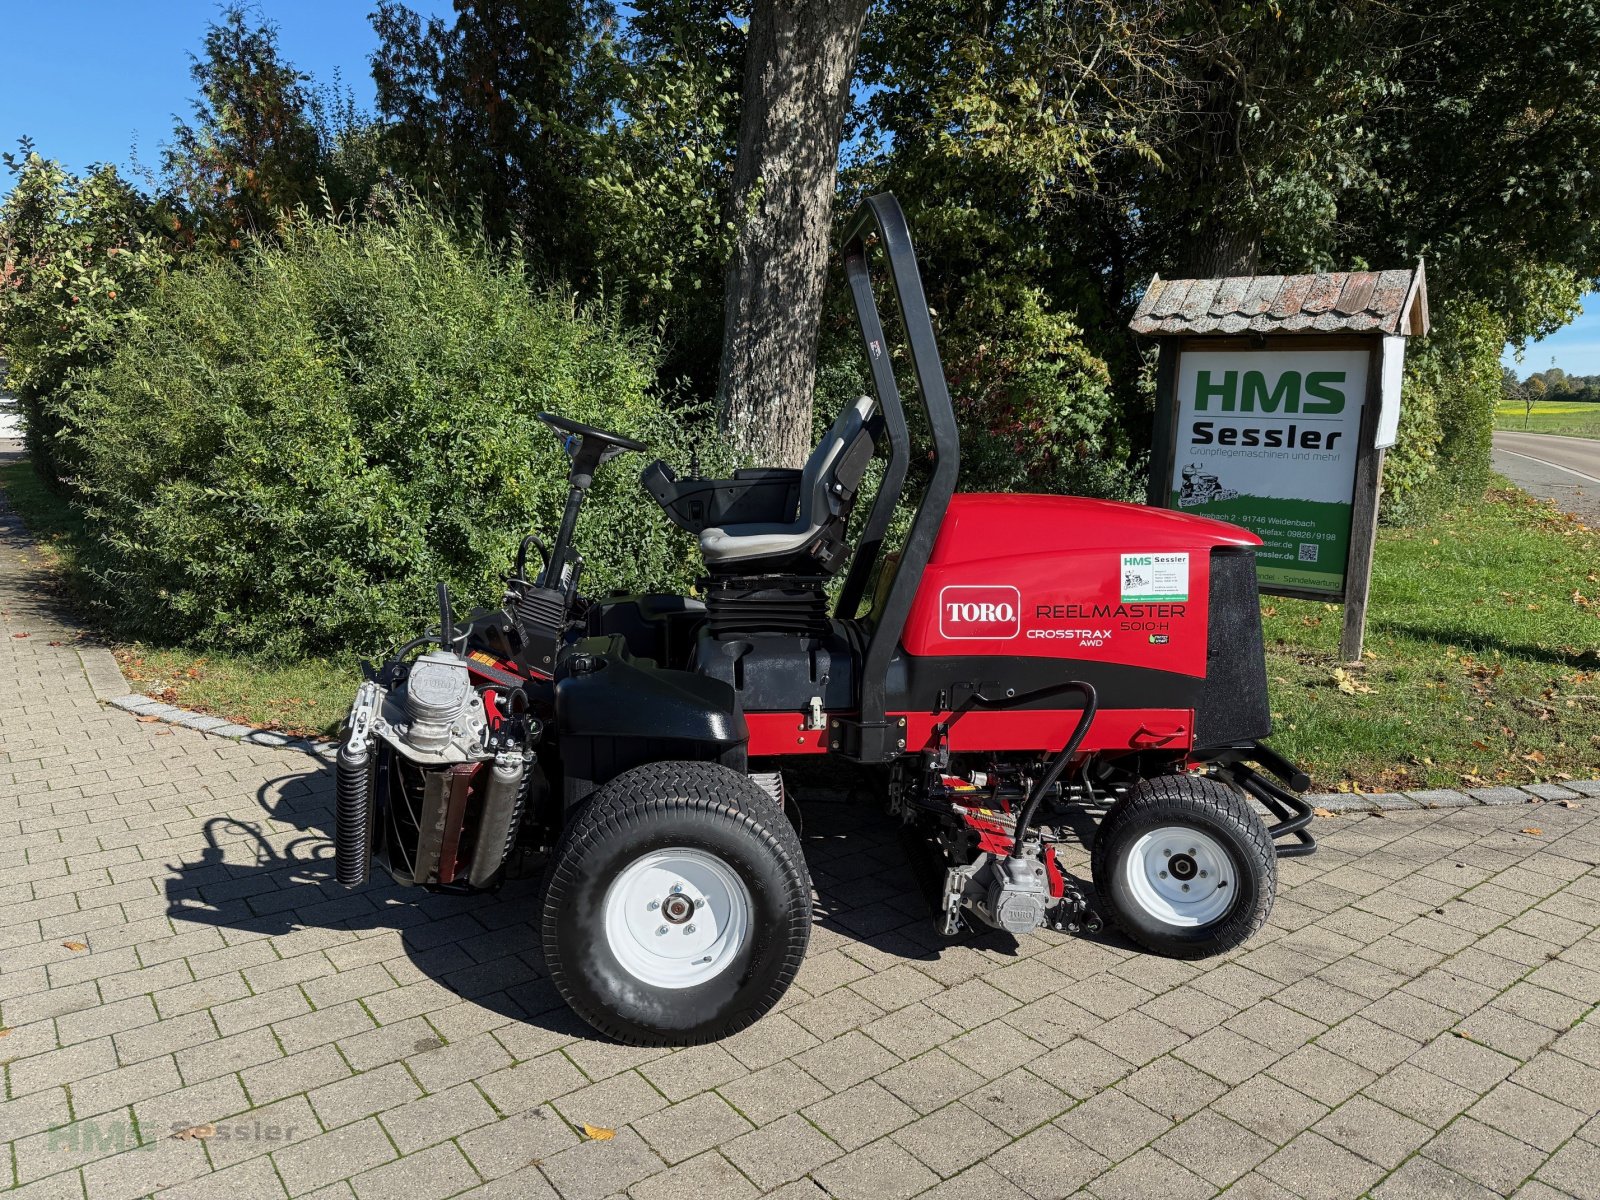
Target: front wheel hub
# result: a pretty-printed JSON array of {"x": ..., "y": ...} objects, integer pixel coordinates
[{"x": 678, "y": 917}]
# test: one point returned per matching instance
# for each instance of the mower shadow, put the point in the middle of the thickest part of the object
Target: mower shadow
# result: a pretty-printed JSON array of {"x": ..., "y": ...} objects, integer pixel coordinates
[{"x": 271, "y": 875}]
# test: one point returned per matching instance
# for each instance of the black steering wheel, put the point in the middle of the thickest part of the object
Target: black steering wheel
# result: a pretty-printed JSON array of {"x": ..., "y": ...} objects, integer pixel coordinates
[{"x": 587, "y": 432}]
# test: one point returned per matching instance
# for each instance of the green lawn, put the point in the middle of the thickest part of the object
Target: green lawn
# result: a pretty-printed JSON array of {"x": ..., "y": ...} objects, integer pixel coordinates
[
  {"x": 1569, "y": 418},
  {"x": 1483, "y": 655}
]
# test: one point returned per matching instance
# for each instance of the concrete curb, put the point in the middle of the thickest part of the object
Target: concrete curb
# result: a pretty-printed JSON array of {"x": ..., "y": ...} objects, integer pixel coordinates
[
  {"x": 110, "y": 687},
  {"x": 1341, "y": 803}
]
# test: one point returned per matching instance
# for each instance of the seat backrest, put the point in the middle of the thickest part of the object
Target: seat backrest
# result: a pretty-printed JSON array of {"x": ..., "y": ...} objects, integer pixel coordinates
[{"x": 837, "y": 457}]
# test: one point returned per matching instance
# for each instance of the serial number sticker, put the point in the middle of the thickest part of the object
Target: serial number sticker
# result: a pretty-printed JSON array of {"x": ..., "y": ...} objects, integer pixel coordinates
[{"x": 1157, "y": 578}]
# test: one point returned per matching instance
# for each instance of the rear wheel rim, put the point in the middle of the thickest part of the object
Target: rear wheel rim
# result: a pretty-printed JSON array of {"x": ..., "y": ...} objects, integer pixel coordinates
[
  {"x": 676, "y": 917},
  {"x": 1181, "y": 876}
]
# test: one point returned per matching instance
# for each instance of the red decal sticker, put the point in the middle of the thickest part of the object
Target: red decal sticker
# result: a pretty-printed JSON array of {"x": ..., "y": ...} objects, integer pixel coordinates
[{"x": 988, "y": 611}]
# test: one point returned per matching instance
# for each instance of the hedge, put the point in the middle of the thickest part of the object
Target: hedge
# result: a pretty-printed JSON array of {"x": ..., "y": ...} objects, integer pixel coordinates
[{"x": 288, "y": 452}]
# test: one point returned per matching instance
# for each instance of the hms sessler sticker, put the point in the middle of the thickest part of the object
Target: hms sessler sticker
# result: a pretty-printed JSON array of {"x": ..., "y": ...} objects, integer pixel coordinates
[{"x": 1158, "y": 578}]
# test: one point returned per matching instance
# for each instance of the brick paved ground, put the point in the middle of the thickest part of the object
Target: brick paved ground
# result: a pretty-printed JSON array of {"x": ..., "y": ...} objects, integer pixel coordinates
[{"x": 1418, "y": 1020}]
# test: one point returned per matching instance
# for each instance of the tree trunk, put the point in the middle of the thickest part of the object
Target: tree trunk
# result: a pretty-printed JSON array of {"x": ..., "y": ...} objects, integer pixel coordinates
[
  {"x": 1220, "y": 251},
  {"x": 798, "y": 66}
]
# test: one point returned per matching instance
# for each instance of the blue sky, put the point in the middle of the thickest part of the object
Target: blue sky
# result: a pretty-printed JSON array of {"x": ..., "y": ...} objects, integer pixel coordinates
[
  {"x": 89, "y": 79},
  {"x": 1575, "y": 347}
]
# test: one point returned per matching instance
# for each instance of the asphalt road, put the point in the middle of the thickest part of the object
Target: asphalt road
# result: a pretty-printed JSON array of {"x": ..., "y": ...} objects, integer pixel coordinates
[{"x": 1563, "y": 469}]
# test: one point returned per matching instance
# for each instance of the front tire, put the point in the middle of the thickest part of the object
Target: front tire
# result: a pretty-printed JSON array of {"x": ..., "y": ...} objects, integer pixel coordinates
[
  {"x": 1185, "y": 867},
  {"x": 678, "y": 906}
]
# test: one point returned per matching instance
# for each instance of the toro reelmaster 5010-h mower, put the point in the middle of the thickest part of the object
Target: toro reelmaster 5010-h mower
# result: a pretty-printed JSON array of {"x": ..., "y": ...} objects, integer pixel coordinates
[{"x": 1024, "y": 659}]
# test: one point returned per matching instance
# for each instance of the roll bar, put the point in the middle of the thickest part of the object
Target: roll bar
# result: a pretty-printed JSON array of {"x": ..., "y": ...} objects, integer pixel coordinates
[{"x": 869, "y": 737}]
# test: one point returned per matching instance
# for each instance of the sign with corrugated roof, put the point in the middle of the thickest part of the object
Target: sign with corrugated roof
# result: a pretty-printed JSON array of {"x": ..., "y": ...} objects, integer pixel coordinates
[{"x": 1276, "y": 396}]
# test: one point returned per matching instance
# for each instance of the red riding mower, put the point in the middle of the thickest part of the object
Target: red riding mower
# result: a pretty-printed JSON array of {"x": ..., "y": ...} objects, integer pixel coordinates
[{"x": 1022, "y": 659}]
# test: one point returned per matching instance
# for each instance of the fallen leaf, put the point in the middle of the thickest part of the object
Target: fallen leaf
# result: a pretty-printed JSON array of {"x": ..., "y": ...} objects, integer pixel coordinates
[
  {"x": 193, "y": 1132},
  {"x": 74, "y": 945},
  {"x": 1533, "y": 831},
  {"x": 598, "y": 1133},
  {"x": 1462, "y": 1033},
  {"x": 5, "y": 1032},
  {"x": 147, "y": 720},
  {"x": 1322, "y": 812},
  {"x": 1534, "y": 756},
  {"x": 1569, "y": 804},
  {"x": 19, "y": 635}
]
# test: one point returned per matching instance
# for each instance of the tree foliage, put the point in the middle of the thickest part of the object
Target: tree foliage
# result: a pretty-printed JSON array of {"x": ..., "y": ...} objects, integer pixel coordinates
[{"x": 264, "y": 139}]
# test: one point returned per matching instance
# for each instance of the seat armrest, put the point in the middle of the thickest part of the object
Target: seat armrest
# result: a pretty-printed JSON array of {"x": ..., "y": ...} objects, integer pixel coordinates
[{"x": 694, "y": 504}]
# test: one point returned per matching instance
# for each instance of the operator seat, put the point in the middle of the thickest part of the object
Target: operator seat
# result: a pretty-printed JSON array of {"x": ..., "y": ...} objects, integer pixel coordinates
[
  {"x": 827, "y": 483},
  {"x": 767, "y": 521}
]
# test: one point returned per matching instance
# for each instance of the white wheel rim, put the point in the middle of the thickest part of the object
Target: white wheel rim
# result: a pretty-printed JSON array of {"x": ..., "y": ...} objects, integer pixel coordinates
[
  {"x": 1181, "y": 876},
  {"x": 676, "y": 917}
]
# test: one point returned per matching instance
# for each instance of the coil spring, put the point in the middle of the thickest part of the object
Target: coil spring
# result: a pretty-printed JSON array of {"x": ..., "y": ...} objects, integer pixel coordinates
[{"x": 352, "y": 833}]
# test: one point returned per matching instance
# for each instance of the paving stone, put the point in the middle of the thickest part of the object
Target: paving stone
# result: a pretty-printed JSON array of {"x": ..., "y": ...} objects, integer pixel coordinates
[
  {"x": 774, "y": 1091},
  {"x": 1440, "y": 798},
  {"x": 881, "y": 1171},
  {"x": 780, "y": 1152},
  {"x": 1272, "y": 1109},
  {"x": 342, "y": 1153},
  {"x": 612, "y": 1102},
  {"x": 1214, "y": 1148},
  {"x": 1150, "y": 1173},
  {"x": 1378, "y": 1134},
  {"x": 1423, "y": 1179},
  {"x": 1315, "y": 1168},
  {"x": 1537, "y": 1120},
  {"x": 1462, "y": 1061},
  {"x": 708, "y": 1177},
  {"x": 1550, "y": 791},
  {"x": 1114, "y": 1124},
  {"x": 1226, "y": 1055},
  {"x": 502, "y": 1149},
  {"x": 1498, "y": 795},
  {"x": 1484, "y": 1155},
  {"x": 1048, "y": 1162},
  {"x": 951, "y": 1140},
  {"x": 1573, "y": 1169},
  {"x": 859, "y": 1114},
  {"x": 436, "y": 1172},
  {"x": 691, "y": 1127}
]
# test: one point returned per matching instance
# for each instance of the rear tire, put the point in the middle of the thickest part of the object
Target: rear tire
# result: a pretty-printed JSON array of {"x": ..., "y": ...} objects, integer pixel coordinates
[
  {"x": 696, "y": 850},
  {"x": 1185, "y": 867}
]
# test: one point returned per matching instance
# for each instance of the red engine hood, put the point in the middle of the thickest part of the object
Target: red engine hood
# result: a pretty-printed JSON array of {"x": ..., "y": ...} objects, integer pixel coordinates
[
  {"x": 1068, "y": 578},
  {"x": 985, "y": 525}
]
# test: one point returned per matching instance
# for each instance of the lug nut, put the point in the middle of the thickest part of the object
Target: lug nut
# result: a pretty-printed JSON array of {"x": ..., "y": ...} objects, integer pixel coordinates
[
  {"x": 653, "y": 905},
  {"x": 661, "y": 931},
  {"x": 1186, "y": 887},
  {"x": 676, "y": 888},
  {"x": 1168, "y": 853},
  {"x": 1163, "y": 874},
  {"x": 1202, "y": 874},
  {"x": 688, "y": 928}
]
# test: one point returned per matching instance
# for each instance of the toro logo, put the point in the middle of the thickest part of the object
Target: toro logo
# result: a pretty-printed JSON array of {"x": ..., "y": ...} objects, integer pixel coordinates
[{"x": 968, "y": 612}]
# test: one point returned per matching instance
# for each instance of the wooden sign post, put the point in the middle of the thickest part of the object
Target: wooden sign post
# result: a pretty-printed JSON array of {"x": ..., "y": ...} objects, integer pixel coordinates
[{"x": 1276, "y": 397}]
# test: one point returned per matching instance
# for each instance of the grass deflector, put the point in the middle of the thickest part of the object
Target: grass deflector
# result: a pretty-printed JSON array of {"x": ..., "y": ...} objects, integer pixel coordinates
[{"x": 1012, "y": 662}]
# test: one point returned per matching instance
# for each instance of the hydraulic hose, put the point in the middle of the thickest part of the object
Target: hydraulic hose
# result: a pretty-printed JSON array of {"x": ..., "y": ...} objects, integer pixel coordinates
[{"x": 1030, "y": 807}]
